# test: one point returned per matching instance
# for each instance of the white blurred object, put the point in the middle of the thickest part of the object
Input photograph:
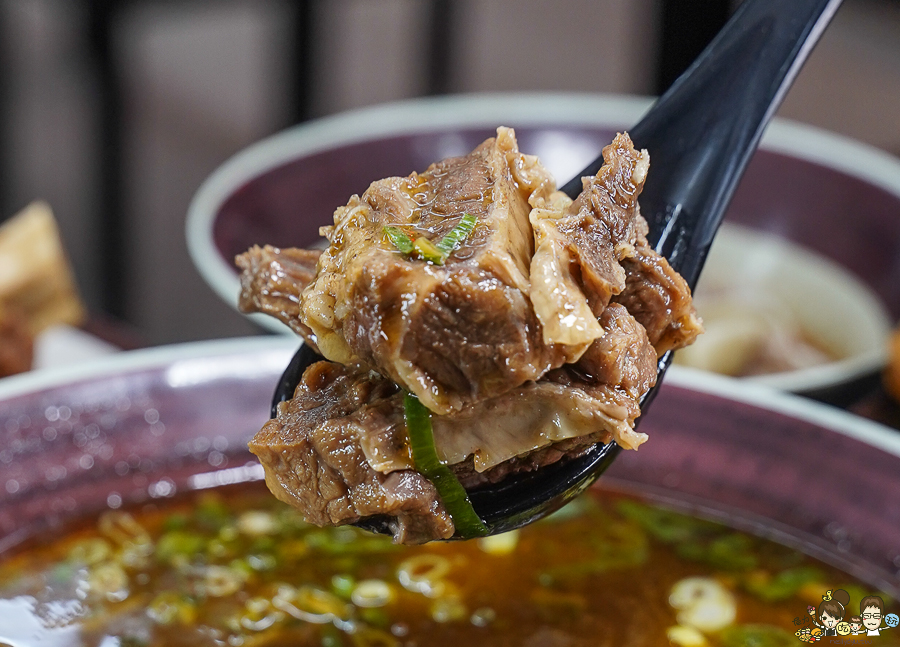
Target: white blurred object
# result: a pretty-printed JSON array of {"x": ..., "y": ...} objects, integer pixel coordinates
[
  {"x": 703, "y": 603},
  {"x": 784, "y": 316},
  {"x": 64, "y": 345}
]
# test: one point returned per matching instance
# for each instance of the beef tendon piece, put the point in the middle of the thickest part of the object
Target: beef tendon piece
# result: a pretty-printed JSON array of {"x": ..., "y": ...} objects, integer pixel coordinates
[
  {"x": 558, "y": 407},
  {"x": 580, "y": 245},
  {"x": 594, "y": 250},
  {"x": 451, "y": 333}
]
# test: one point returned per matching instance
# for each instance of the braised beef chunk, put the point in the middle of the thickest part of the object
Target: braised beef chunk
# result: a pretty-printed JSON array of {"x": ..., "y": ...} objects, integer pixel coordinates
[
  {"x": 576, "y": 268},
  {"x": 623, "y": 357},
  {"x": 315, "y": 458},
  {"x": 533, "y": 340},
  {"x": 659, "y": 299},
  {"x": 452, "y": 333},
  {"x": 272, "y": 280}
]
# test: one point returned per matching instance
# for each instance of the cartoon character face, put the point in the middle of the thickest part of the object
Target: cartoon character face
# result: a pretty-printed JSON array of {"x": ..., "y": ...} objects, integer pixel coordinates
[
  {"x": 855, "y": 626},
  {"x": 871, "y": 618},
  {"x": 831, "y": 621}
]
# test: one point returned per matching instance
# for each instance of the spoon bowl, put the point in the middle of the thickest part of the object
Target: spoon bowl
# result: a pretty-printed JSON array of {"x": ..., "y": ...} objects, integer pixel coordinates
[{"x": 700, "y": 135}]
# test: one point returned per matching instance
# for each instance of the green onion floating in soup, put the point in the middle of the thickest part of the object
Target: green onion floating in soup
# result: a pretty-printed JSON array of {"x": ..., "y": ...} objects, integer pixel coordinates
[{"x": 236, "y": 567}]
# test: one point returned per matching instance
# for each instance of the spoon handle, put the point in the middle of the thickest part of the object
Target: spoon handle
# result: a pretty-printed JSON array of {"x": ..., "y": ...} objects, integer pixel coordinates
[
  {"x": 704, "y": 129},
  {"x": 700, "y": 135}
]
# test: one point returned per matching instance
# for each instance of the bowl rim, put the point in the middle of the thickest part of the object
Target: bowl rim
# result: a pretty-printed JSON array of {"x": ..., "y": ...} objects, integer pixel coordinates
[
  {"x": 143, "y": 359},
  {"x": 428, "y": 114},
  {"x": 871, "y": 433}
]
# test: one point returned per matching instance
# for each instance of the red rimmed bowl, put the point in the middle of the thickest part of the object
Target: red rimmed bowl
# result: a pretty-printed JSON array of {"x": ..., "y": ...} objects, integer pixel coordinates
[
  {"x": 838, "y": 199},
  {"x": 149, "y": 424}
]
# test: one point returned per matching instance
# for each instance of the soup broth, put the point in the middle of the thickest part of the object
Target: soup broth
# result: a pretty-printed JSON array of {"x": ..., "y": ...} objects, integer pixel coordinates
[{"x": 235, "y": 567}]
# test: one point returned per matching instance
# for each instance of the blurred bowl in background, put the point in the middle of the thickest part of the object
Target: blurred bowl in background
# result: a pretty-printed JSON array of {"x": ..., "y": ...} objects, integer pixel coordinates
[
  {"x": 144, "y": 425},
  {"x": 836, "y": 201},
  {"x": 779, "y": 314}
]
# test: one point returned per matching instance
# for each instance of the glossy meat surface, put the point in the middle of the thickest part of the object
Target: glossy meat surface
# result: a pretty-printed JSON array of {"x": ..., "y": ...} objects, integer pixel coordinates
[
  {"x": 535, "y": 339},
  {"x": 452, "y": 333}
]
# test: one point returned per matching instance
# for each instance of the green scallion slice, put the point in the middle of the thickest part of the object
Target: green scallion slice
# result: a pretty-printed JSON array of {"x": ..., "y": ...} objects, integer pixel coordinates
[
  {"x": 457, "y": 235},
  {"x": 427, "y": 250},
  {"x": 452, "y": 493},
  {"x": 399, "y": 239}
]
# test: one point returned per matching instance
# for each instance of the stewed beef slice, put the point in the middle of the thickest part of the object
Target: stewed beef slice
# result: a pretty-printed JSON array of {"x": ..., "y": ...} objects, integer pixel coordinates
[
  {"x": 536, "y": 339},
  {"x": 498, "y": 313}
]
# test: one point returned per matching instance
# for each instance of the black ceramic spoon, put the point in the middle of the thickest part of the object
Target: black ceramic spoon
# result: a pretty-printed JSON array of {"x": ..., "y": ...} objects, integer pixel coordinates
[{"x": 700, "y": 135}]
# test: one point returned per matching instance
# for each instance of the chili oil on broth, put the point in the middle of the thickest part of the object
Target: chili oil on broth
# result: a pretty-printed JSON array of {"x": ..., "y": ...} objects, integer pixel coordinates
[{"x": 236, "y": 567}]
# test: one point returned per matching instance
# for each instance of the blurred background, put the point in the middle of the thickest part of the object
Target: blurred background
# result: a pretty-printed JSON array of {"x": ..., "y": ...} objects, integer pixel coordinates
[{"x": 114, "y": 112}]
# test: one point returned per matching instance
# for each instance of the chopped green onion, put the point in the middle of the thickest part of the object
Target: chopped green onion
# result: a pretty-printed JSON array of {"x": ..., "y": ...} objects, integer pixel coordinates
[
  {"x": 428, "y": 251},
  {"x": 448, "y": 608},
  {"x": 502, "y": 544},
  {"x": 377, "y": 618},
  {"x": 179, "y": 544},
  {"x": 371, "y": 637},
  {"x": 399, "y": 239},
  {"x": 90, "y": 551},
  {"x": 331, "y": 637},
  {"x": 457, "y": 235},
  {"x": 732, "y": 552},
  {"x": 452, "y": 493},
  {"x": 170, "y": 607},
  {"x": 668, "y": 527},
  {"x": 257, "y": 523},
  {"x": 221, "y": 581},
  {"x": 372, "y": 593},
  {"x": 423, "y": 573},
  {"x": 212, "y": 513},
  {"x": 342, "y": 585}
]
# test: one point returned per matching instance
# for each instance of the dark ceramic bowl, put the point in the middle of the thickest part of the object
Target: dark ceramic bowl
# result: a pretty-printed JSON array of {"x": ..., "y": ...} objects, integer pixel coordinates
[
  {"x": 838, "y": 199},
  {"x": 148, "y": 424}
]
